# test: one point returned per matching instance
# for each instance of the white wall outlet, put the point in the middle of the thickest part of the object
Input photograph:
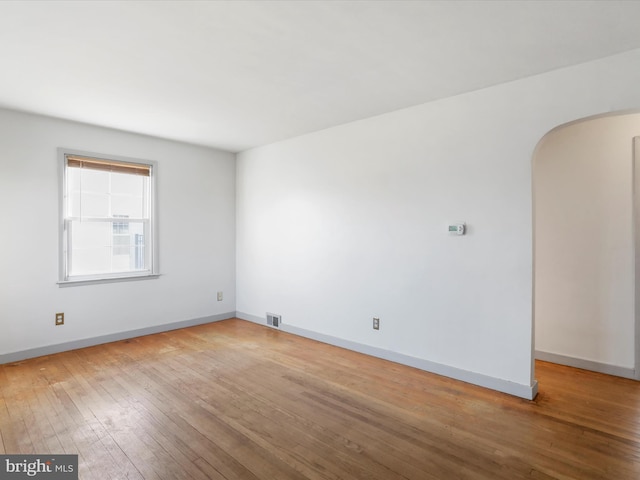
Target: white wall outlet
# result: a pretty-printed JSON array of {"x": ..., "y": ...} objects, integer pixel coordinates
[
  {"x": 220, "y": 296},
  {"x": 376, "y": 323}
]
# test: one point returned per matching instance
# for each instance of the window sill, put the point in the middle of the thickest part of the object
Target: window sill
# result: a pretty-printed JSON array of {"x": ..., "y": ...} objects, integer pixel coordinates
[{"x": 95, "y": 281}]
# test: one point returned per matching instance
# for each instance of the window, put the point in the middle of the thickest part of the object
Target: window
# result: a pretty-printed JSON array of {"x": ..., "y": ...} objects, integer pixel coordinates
[{"x": 107, "y": 220}]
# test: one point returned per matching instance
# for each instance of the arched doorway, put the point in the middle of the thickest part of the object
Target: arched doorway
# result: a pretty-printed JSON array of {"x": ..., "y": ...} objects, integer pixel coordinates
[{"x": 585, "y": 311}]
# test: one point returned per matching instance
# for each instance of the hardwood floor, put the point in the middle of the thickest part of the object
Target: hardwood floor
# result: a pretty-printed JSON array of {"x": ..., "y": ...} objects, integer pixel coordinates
[{"x": 234, "y": 400}]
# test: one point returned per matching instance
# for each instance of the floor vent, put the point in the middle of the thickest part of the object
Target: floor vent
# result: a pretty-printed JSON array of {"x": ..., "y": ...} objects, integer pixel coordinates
[{"x": 273, "y": 320}]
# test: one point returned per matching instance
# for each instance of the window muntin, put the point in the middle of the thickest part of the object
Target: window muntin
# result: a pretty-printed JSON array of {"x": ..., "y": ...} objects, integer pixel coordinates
[{"x": 107, "y": 224}]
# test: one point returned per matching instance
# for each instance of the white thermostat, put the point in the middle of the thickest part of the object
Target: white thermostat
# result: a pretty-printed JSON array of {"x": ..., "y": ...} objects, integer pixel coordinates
[{"x": 457, "y": 228}]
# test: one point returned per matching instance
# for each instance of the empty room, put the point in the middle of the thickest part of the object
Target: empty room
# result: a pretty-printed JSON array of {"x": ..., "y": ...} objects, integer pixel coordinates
[{"x": 320, "y": 240}]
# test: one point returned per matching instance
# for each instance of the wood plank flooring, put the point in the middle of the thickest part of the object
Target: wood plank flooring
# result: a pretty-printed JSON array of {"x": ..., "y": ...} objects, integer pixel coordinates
[{"x": 234, "y": 400}]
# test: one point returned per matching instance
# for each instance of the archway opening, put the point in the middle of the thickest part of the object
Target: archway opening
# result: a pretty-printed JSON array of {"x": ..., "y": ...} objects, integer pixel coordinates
[{"x": 585, "y": 312}]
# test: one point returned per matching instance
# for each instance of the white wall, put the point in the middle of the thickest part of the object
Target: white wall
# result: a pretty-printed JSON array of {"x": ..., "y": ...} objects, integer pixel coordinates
[
  {"x": 348, "y": 223},
  {"x": 584, "y": 258},
  {"x": 196, "y": 205}
]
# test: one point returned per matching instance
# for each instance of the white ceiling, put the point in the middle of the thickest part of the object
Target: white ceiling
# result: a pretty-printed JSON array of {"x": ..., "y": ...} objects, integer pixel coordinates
[{"x": 240, "y": 74}]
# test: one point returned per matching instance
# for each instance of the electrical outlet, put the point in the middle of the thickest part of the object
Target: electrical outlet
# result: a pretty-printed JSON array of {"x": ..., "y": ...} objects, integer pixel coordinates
[
  {"x": 219, "y": 296},
  {"x": 59, "y": 318},
  {"x": 376, "y": 323}
]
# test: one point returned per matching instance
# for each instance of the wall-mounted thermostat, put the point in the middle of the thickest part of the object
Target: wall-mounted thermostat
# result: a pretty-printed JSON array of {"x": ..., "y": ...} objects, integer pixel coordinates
[{"x": 457, "y": 229}]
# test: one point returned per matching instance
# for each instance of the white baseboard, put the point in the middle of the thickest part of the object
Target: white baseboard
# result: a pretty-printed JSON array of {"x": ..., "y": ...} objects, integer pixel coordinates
[
  {"x": 586, "y": 364},
  {"x": 528, "y": 392},
  {"x": 113, "y": 337}
]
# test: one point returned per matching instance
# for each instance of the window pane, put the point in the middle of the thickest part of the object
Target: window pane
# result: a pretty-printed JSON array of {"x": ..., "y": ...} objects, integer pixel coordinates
[
  {"x": 94, "y": 204},
  {"x": 127, "y": 206},
  {"x": 121, "y": 244},
  {"x": 94, "y": 188},
  {"x": 88, "y": 193},
  {"x": 107, "y": 247},
  {"x": 94, "y": 193},
  {"x": 74, "y": 204},
  {"x": 91, "y": 248},
  {"x": 122, "y": 183},
  {"x": 128, "y": 195}
]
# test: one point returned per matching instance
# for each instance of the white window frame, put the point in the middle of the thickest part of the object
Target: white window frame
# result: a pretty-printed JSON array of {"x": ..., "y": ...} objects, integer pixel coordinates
[{"x": 64, "y": 232}]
